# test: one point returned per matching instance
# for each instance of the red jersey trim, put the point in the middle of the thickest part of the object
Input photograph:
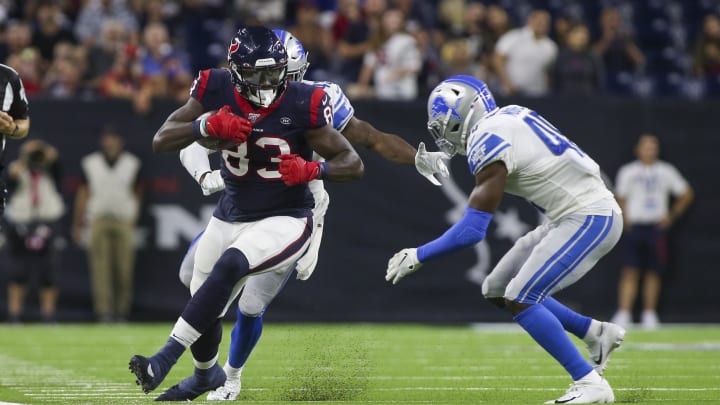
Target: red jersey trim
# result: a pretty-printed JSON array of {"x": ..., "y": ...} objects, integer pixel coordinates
[
  {"x": 315, "y": 100},
  {"x": 202, "y": 83}
]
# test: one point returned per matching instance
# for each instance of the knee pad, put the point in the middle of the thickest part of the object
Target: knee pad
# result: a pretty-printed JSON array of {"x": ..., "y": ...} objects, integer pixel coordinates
[
  {"x": 230, "y": 267},
  {"x": 491, "y": 288},
  {"x": 251, "y": 304}
]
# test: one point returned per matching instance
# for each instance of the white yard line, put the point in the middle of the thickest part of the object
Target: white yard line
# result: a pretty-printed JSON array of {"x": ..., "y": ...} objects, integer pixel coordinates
[{"x": 40, "y": 382}]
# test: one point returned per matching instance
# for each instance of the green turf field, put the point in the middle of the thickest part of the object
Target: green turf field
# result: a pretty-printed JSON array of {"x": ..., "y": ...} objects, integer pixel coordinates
[{"x": 357, "y": 363}]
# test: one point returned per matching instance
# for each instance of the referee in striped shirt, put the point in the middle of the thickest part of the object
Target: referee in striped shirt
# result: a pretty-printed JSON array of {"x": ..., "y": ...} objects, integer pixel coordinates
[{"x": 14, "y": 118}]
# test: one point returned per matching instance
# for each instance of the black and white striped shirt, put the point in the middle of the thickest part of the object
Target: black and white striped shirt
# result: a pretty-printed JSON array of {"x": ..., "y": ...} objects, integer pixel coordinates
[{"x": 12, "y": 94}]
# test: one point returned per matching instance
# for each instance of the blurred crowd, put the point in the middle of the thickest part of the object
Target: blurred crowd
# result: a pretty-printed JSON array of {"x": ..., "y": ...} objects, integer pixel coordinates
[{"x": 389, "y": 49}]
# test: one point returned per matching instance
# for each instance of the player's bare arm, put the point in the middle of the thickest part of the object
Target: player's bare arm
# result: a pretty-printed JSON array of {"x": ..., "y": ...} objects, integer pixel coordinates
[
  {"x": 343, "y": 163},
  {"x": 177, "y": 130},
  {"x": 489, "y": 187},
  {"x": 395, "y": 149},
  {"x": 389, "y": 146}
]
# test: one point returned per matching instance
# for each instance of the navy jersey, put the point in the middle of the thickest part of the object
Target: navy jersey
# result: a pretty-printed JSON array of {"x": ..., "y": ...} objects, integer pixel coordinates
[{"x": 253, "y": 186}]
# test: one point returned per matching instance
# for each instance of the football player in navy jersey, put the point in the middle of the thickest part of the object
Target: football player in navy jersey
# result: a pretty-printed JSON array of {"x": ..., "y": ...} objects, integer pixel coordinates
[
  {"x": 263, "y": 220},
  {"x": 260, "y": 291}
]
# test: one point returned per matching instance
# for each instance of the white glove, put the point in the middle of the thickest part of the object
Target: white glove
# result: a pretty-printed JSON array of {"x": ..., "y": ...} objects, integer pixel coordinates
[
  {"x": 212, "y": 183},
  {"x": 429, "y": 163},
  {"x": 403, "y": 263}
]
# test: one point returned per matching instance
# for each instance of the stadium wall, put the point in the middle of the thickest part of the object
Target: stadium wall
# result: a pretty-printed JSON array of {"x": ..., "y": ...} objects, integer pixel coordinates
[{"x": 392, "y": 207}]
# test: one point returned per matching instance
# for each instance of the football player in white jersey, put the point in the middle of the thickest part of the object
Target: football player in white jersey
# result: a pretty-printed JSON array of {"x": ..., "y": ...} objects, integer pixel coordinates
[
  {"x": 259, "y": 291},
  {"x": 515, "y": 150}
]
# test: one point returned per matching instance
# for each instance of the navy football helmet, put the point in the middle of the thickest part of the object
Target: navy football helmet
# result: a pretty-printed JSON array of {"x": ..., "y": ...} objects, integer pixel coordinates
[{"x": 258, "y": 65}]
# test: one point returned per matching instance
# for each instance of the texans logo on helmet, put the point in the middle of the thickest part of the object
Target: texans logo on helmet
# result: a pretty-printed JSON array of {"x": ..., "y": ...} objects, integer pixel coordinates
[
  {"x": 234, "y": 46},
  {"x": 440, "y": 107}
]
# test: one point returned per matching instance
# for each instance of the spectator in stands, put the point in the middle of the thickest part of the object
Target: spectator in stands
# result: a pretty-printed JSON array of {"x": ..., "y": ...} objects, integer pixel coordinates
[
  {"x": 257, "y": 12},
  {"x": 316, "y": 39},
  {"x": 101, "y": 55},
  {"x": 34, "y": 208},
  {"x": 163, "y": 65},
  {"x": 419, "y": 14},
  {"x": 205, "y": 45},
  {"x": 461, "y": 53},
  {"x": 706, "y": 59},
  {"x": 393, "y": 66},
  {"x": 93, "y": 15},
  {"x": 616, "y": 46},
  {"x": 28, "y": 65},
  {"x": 524, "y": 56},
  {"x": 353, "y": 40},
  {"x": 108, "y": 202},
  {"x": 18, "y": 37},
  {"x": 643, "y": 189},
  {"x": 577, "y": 70},
  {"x": 496, "y": 24},
  {"x": 64, "y": 78},
  {"x": 159, "y": 11},
  {"x": 51, "y": 28},
  {"x": 126, "y": 80}
]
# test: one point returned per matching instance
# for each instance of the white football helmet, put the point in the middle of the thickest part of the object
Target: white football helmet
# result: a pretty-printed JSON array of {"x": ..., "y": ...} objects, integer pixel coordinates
[
  {"x": 451, "y": 105},
  {"x": 297, "y": 56}
]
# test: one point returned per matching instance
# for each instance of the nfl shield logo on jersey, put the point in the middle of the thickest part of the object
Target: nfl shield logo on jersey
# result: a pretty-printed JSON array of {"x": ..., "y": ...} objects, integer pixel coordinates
[{"x": 252, "y": 117}]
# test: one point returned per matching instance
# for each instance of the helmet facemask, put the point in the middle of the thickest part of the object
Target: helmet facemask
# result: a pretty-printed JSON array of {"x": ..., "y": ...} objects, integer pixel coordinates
[
  {"x": 261, "y": 85},
  {"x": 299, "y": 74}
]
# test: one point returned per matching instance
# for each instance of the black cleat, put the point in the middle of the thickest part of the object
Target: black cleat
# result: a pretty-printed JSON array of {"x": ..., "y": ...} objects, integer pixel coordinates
[
  {"x": 148, "y": 374},
  {"x": 192, "y": 387}
]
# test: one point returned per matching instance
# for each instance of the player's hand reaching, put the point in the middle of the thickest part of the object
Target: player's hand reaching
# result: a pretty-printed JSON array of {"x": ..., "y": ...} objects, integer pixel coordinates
[
  {"x": 212, "y": 182},
  {"x": 226, "y": 125},
  {"x": 296, "y": 170},
  {"x": 430, "y": 163},
  {"x": 403, "y": 263}
]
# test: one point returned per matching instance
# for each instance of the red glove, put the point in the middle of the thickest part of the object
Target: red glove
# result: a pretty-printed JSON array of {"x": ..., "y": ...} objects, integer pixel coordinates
[
  {"x": 296, "y": 170},
  {"x": 226, "y": 125}
]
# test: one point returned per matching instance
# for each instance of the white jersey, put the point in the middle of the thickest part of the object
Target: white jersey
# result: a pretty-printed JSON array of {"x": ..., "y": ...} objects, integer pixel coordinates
[
  {"x": 647, "y": 188},
  {"x": 342, "y": 109},
  {"x": 543, "y": 166}
]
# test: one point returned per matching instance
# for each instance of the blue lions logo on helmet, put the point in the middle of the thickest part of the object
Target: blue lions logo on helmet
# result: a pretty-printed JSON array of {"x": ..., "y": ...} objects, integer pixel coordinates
[{"x": 440, "y": 107}]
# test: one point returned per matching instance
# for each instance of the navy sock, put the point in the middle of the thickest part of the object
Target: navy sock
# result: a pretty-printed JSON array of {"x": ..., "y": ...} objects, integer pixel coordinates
[
  {"x": 573, "y": 322},
  {"x": 210, "y": 299},
  {"x": 245, "y": 335},
  {"x": 542, "y": 325},
  {"x": 206, "y": 347},
  {"x": 166, "y": 357}
]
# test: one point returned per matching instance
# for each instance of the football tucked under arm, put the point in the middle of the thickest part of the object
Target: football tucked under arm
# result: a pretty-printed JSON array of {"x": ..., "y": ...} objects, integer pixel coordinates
[{"x": 214, "y": 143}]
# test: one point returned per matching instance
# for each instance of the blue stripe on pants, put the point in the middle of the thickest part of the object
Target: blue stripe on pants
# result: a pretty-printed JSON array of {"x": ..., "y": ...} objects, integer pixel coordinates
[
  {"x": 608, "y": 221},
  {"x": 590, "y": 234},
  {"x": 569, "y": 244}
]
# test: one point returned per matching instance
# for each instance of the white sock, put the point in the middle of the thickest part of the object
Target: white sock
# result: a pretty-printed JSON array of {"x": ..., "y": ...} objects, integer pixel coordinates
[
  {"x": 184, "y": 334},
  {"x": 591, "y": 378},
  {"x": 593, "y": 331},
  {"x": 204, "y": 365},
  {"x": 232, "y": 372}
]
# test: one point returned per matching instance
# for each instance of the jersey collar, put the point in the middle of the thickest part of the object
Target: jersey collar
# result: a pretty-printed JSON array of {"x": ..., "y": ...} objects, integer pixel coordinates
[{"x": 258, "y": 113}]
